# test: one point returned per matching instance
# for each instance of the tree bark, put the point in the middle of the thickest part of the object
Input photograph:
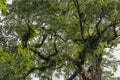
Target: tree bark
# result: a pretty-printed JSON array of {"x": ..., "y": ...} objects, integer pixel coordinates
[{"x": 97, "y": 71}]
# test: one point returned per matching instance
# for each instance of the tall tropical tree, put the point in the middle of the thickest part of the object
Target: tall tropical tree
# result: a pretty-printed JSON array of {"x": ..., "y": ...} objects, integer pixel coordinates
[{"x": 50, "y": 38}]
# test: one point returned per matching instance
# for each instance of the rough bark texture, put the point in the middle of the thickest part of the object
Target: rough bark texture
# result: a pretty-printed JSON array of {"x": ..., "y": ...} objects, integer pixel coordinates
[{"x": 97, "y": 71}]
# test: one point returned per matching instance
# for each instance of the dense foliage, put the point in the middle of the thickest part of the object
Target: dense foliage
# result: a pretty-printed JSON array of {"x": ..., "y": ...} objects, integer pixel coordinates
[
  {"x": 3, "y": 6},
  {"x": 50, "y": 38}
]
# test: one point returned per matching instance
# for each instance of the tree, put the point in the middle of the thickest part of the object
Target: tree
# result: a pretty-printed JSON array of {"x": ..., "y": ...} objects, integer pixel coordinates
[{"x": 59, "y": 37}]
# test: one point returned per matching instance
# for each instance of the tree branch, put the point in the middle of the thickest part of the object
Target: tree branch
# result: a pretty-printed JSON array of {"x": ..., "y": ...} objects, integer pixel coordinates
[
  {"x": 115, "y": 32},
  {"x": 40, "y": 55},
  {"x": 85, "y": 77},
  {"x": 73, "y": 75},
  {"x": 110, "y": 25},
  {"x": 39, "y": 45},
  {"x": 98, "y": 23},
  {"x": 55, "y": 48},
  {"x": 77, "y": 5},
  {"x": 43, "y": 68}
]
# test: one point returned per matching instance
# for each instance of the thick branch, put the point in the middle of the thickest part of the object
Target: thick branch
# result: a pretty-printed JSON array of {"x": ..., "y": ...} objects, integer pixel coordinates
[
  {"x": 46, "y": 58},
  {"x": 110, "y": 25},
  {"x": 115, "y": 32},
  {"x": 98, "y": 23},
  {"x": 55, "y": 48},
  {"x": 36, "y": 68},
  {"x": 73, "y": 75},
  {"x": 40, "y": 55},
  {"x": 85, "y": 77},
  {"x": 77, "y": 5},
  {"x": 39, "y": 45}
]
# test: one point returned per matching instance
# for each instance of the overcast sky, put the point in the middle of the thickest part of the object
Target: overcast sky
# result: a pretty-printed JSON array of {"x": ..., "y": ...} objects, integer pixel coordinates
[{"x": 116, "y": 53}]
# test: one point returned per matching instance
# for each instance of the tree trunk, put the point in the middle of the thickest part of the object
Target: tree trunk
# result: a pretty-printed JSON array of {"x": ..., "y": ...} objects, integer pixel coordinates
[{"x": 97, "y": 71}]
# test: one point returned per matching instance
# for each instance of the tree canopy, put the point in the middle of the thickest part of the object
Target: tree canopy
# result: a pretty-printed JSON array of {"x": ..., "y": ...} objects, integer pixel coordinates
[
  {"x": 50, "y": 38},
  {"x": 3, "y": 6}
]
